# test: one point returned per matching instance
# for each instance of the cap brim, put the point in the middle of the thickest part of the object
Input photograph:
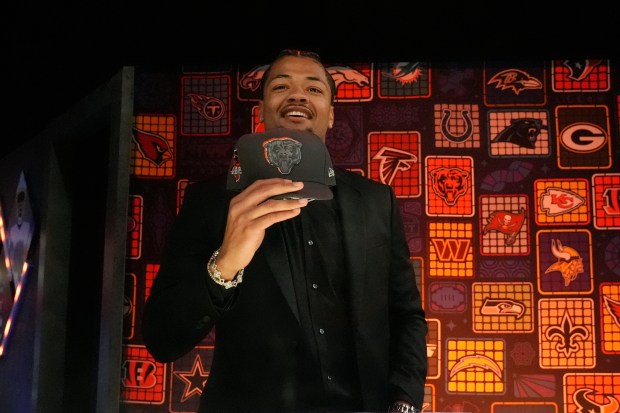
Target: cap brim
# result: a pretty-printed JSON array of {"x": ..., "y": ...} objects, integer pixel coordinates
[{"x": 311, "y": 190}]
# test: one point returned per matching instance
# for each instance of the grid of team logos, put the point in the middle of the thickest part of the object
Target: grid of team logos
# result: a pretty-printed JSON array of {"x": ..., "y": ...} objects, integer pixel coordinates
[{"x": 507, "y": 176}]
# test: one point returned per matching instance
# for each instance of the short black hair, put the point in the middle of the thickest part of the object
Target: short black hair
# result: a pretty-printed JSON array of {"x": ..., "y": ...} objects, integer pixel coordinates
[{"x": 294, "y": 52}]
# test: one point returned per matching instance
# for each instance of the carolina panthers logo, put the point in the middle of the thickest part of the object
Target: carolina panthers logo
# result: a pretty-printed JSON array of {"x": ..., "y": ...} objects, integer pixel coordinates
[
  {"x": 449, "y": 183},
  {"x": 283, "y": 153},
  {"x": 523, "y": 132}
]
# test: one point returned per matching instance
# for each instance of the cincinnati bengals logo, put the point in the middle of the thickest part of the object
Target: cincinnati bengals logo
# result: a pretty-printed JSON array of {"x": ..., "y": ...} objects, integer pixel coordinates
[
  {"x": 283, "y": 153},
  {"x": 139, "y": 374},
  {"x": 612, "y": 201},
  {"x": 449, "y": 183}
]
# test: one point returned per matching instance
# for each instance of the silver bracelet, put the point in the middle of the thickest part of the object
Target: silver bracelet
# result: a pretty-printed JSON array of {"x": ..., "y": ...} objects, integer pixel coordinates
[
  {"x": 398, "y": 407},
  {"x": 216, "y": 275}
]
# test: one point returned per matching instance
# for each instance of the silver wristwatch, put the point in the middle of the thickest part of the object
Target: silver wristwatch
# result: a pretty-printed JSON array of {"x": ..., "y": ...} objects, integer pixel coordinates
[{"x": 398, "y": 407}]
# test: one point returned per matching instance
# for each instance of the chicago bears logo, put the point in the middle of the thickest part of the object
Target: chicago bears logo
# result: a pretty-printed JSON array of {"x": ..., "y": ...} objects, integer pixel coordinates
[
  {"x": 449, "y": 183},
  {"x": 283, "y": 153}
]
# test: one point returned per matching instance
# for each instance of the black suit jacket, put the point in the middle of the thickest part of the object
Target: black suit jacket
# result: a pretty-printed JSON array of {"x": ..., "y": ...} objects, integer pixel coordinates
[{"x": 257, "y": 329}]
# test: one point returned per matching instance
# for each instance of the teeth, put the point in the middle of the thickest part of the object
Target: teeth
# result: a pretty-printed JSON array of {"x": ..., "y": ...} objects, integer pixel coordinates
[{"x": 296, "y": 113}]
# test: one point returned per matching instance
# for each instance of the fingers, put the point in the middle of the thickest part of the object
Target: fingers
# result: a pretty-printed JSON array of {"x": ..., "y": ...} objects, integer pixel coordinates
[{"x": 250, "y": 213}]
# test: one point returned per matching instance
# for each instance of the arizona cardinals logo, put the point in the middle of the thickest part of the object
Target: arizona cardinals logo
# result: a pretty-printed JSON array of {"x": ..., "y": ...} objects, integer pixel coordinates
[
  {"x": 153, "y": 147},
  {"x": 392, "y": 161},
  {"x": 614, "y": 309},
  {"x": 209, "y": 107},
  {"x": 515, "y": 80},
  {"x": 405, "y": 72},
  {"x": 346, "y": 74},
  {"x": 522, "y": 132},
  {"x": 587, "y": 405},
  {"x": 580, "y": 69}
]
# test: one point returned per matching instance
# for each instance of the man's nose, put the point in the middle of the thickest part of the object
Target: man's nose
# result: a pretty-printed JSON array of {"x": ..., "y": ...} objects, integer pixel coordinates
[{"x": 298, "y": 94}]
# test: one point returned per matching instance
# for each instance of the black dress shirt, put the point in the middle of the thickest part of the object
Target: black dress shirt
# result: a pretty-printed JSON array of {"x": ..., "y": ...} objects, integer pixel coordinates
[{"x": 314, "y": 248}]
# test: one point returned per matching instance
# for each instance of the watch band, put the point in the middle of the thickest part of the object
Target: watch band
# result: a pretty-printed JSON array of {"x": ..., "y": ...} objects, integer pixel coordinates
[{"x": 398, "y": 407}]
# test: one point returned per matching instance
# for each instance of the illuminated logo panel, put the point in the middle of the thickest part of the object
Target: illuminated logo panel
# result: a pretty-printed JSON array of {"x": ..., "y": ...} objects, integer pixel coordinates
[
  {"x": 205, "y": 105},
  {"x": 610, "y": 317},
  {"x": 562, "y": 201},
  {"x": 475, "y": 366},
  {"x": 143, "y": 379},
  {"x": 457, "y": 125},
  {"x": 450, "y": 186},
  {"x": 564, "y": 262},
  {"x": 502, "y": 307},
  {"x": 606, "y": 200},
  {"x": 450, "y": 249},
  {"x": 566, "y": 333},
  {"x": 153, "y": 149},
  {"x": 404, "y": 80},
  {"x": 504, "y": 225}
]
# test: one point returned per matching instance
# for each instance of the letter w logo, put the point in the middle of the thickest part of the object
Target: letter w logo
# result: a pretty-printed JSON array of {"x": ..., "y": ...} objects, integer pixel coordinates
[{"x": 451, "y": 249}]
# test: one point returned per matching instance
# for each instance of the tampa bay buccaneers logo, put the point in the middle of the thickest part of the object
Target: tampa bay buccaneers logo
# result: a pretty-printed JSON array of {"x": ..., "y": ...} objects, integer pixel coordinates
[
  {"x": 449, "y": 183},
  {"x": 506, "y": 222},
  {"x": 515, "y": 80}
]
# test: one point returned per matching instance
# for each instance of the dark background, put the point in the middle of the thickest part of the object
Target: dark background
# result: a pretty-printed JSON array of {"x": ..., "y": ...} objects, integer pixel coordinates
[{"x": 57, "y": 54}]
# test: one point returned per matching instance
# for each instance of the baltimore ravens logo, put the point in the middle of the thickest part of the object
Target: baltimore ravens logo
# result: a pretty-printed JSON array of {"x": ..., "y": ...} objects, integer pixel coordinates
[{"x": 283, "y": 153}]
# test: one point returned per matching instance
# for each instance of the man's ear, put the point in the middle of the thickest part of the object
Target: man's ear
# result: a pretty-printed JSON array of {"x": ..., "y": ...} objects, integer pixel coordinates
[
  {"x": 330, "y": 124},
  {"x": 260, "y": 111}
]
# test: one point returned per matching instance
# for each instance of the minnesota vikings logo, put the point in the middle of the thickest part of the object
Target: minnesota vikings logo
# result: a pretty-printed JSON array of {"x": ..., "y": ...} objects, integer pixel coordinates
[{"x": 569, "y": 263}]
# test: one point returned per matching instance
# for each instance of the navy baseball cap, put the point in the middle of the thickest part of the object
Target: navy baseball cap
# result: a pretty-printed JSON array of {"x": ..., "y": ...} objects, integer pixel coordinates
[{"x": 283, "y": 153}]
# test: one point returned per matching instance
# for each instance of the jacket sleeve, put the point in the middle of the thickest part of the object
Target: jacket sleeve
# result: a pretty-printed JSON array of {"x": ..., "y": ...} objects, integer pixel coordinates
[
  {"x": 184, "y": 303},
  {"x": 408, "y": 327}
]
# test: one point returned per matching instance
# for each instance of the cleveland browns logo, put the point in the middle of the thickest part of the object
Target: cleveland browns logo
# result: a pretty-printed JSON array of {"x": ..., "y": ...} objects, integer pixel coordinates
[{"x": 449, "y": 183}]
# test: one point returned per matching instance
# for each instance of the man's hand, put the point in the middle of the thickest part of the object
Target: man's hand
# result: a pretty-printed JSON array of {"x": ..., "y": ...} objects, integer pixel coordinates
[{"x": 251, "y": 212}]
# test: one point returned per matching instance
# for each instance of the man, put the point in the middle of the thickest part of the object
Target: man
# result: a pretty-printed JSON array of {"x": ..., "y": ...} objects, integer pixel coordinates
[{"x": 314, "y": 304}]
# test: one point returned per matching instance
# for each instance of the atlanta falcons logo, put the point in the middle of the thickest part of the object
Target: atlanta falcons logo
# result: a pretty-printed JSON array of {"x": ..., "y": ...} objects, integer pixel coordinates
[
  {"x": 515, "y": 80},
  {"x": 392, "y": 161}
]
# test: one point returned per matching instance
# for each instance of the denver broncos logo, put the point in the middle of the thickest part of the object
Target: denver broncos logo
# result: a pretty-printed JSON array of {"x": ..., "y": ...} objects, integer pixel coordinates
[
  {"x": 346, "y": 74},
  {"x": 251, "y": 80},
  {"x": 515, "y": 80},
  {"x": 449, "y": 183}
]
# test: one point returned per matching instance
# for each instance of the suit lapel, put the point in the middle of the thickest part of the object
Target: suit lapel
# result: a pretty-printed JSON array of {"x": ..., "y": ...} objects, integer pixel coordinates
[{"x": 354, "y": 236}]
